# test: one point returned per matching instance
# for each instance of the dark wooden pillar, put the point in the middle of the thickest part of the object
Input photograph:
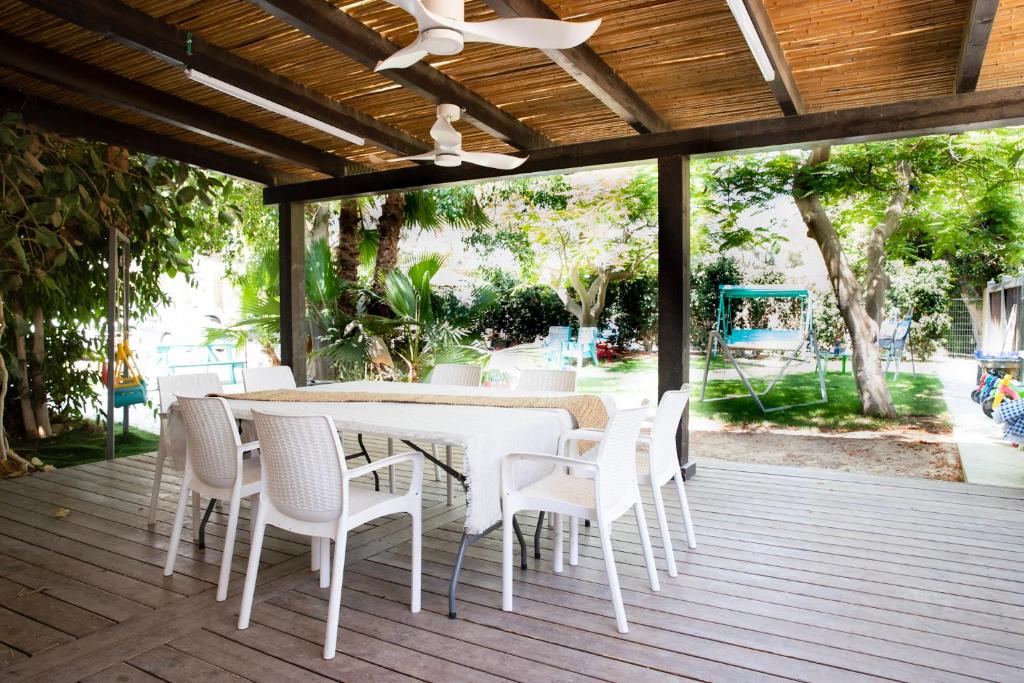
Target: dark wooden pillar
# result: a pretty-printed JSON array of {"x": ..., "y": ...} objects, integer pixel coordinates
[
  {"x": 674, "y": 288},
  {"x": 292, "y": 263}
]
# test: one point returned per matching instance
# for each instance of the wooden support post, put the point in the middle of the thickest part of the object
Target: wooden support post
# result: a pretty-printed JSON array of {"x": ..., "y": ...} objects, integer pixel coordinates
[
  {"x": 674, "y": 288},
  {"x": 292, "y": 263}
]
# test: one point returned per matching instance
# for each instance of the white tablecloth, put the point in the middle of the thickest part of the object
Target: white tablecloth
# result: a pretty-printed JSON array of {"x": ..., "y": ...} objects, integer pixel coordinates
[{"x": 486, "y": 434}]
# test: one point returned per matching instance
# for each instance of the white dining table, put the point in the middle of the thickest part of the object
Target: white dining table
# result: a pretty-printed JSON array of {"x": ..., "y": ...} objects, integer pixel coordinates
[{"x": 486, "y": 434}]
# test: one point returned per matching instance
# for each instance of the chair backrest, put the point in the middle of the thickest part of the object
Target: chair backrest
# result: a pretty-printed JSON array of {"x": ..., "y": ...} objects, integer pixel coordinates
[
  {"x": 664, "y": 457},
  {"x": 263, "y": 379},
  {"x": 617, "y": 454},
  {"x": 558, "y": 333},
  {"x": 196, "y": 384},
  {"x": 451, "y": 374},
  {"x": 539, "y": 379},
  {"x": 213, "y": 443},
  {"x": 303, "y": 464},
  {"x": 587, "y": 335}
]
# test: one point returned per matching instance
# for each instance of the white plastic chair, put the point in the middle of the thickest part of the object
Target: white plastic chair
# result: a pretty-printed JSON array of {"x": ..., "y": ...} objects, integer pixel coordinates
[
  {"x": 168, "y": 387},
  {"x": 214, "y": 467},
  {"x": 307, "y": 490},
  {"x": 264, "y": 379},
  {"x": 452, "y": 375},
  {"x": 612, "y": 490},
  {"x": 541, "y": 379}
]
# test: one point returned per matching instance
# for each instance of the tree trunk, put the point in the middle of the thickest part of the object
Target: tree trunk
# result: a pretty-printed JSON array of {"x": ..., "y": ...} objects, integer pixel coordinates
[
  {"x": 389, "y": 231},
  {"x": 4, "y": 377},
  {"x": 28, "y": 418},
  {"x": 876, "y": 281},
  {"x": 346, "y": 254},
  {"x": 871, "y": 386},
  {"x": 40, "y": 396}
]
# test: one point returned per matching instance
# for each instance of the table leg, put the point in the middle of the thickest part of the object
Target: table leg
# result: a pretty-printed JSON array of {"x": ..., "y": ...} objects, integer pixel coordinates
[
  {"x": 467, "y": 540},
  {"x": 202, "y": 524},
  {"x": 448, "y": 480}
]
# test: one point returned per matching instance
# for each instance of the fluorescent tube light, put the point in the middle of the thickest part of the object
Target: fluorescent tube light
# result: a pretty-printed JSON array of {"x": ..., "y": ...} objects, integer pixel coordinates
[
  {"x": 739, "y": 10},
  {"x": 270, "y": 105}
]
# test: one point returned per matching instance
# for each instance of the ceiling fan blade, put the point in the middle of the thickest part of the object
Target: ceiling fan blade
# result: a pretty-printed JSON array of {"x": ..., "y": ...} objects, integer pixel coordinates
[
  {"x": 407, "y": 56},
  {"x": 492, "y": 160},
  {"x": 445, "y": 135},
  {"x": 544, "y": 34},
  {"x": 426, "y": 156},
  {"x": 413, "y": 7}
]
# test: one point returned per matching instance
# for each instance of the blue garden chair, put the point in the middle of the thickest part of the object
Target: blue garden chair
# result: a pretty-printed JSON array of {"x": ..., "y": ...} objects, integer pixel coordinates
[{"x": 894, "y": 342}]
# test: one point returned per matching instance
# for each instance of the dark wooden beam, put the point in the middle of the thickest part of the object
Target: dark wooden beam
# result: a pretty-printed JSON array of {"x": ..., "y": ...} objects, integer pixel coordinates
[
  {"x": 977, "y": 30},
  {"x": 336, "y": 29},
  {"x": 292, "y": 263},
  {"x": 674, "y": 289},
  {"x": 78, "y": 123},
  {"x": 784, "y": 87},
  {"x": 945, "y": 114},
  {"x": 127, "y": 25},
  {"x": 92, "y": 81},
  {"x": 590, "y": 71}
]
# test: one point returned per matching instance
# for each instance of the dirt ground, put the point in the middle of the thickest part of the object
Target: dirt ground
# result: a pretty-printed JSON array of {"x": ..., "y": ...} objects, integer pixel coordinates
[{"x": 900, "y": 452}]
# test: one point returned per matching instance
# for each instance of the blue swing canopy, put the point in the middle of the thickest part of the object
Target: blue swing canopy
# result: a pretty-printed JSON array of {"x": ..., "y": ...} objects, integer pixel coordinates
[{"x": 762, "y": 339}]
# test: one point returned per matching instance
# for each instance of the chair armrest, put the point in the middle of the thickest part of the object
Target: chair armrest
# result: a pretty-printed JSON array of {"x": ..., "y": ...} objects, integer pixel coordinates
[
  {"x": 411, "y": 456},
  {"x": 251, "y": 446},
  {"x": 509, "y": 462},
  {"x": 579, "y": 435}
]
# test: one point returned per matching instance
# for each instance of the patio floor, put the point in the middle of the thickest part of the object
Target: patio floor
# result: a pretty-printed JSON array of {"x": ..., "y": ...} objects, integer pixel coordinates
[{"x": 800, "y": 575}]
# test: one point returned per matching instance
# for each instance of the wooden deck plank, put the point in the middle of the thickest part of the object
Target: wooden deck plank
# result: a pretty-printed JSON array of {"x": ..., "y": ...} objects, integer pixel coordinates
[
  {"x": 799, "y": 575},
  {"x": 121, "y": 672}
]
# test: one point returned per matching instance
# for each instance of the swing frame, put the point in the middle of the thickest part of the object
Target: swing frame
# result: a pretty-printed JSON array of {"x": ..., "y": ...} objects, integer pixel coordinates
[{"x": 790, "y": 343}]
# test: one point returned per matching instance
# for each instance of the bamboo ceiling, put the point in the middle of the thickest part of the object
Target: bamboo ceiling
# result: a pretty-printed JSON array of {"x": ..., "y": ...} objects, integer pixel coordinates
[{"x": 686, "y": 59}]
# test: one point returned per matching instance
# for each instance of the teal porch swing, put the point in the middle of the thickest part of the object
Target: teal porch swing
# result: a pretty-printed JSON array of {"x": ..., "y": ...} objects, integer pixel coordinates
[{"x": 790, "y": 344}]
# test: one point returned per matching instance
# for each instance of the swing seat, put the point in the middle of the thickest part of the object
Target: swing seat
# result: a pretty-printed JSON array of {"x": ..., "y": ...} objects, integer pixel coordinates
[
  {"x": 129, "y": 396},
  {"x": 765, "y": 340}
]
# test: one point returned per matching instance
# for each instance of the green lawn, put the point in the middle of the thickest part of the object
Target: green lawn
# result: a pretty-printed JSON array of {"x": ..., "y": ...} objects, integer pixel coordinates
[
  {"x": 918, "y": 398},
  {"x": 85, "y": 443}
]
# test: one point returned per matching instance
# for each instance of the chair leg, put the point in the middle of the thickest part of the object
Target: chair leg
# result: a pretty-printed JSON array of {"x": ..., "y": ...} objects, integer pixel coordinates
[
  {"x": 314, "y": 554},
  {"x": 574, "y": 541},
  {"x": 179, "y": 521},
  {"x": 448, "y": 477},
  {"x": 604, "y": 530},
  {"x": 666, "y": 538},
  {"x": 229, "y": 548},
  {"x": 556, "y": 556},
  {"x": 506, "y": 557},
  {"x": 691, "y": 538},
  {"x": 645, "y": 543},
  {"x": 154, "y": 497},
  {"x": 249, "y": 589},
  {"x": 437, "y": 469},
  {"x": 334, "y": 601},
  {"x": 391, "y": 468},
  {"x": 417, "y": 561},
  {"x": 325, "y": 562},
  {"x": 197, "y": 509}
]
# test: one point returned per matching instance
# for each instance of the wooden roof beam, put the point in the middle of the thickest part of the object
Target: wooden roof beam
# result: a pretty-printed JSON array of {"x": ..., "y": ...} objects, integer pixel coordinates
[
  {"x": 129, "y": 26},
  {"x": 50, "y": 116},
  {"x": 336, "y": 29},
  {"x": 783, "y": 87},
  {"x": 590, "y": 71},
  {"x": 92, "y": 81},
  {"x": 945, "y": 114},
  {"x": 977, "y": 30}
]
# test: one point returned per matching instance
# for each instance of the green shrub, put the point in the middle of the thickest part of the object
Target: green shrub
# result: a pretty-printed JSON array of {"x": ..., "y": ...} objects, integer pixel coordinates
[
  {"x": 922, "y": 290},
  {"x": 523, "y": 313},
  {"x": 707, "y": 275},
  {"x": 632, "y": 306}
]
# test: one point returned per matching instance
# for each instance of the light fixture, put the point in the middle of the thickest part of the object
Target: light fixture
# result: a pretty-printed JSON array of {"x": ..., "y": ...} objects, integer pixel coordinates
[
  {"x": 739, "y": 11},
  {"x": 269, "y": 105}
]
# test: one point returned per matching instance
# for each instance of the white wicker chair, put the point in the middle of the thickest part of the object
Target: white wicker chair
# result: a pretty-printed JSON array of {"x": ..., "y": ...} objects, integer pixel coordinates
[
  {"x": 610, "y": 493},
  {"x": 453, "y": 375},
  {"x": 169, "y": 387},
  {"x": 541, "y": 379},
  {"x": 306, "y": 490},
  {"x": 655, "y": 468},
  {"x": 263, "y": 379},
  {"x": 214, "y": 467}
]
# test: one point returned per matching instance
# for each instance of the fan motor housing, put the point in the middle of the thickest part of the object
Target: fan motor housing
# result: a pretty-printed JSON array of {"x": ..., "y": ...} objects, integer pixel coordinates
[
  {"x": 441, "y": 41},
  {"x": 447, "y": 160}
]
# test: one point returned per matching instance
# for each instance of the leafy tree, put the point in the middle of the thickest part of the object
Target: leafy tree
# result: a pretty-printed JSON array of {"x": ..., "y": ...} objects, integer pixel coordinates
[
  {"x": 588, "y": 230},
  {"x": 59, "y": 198}
]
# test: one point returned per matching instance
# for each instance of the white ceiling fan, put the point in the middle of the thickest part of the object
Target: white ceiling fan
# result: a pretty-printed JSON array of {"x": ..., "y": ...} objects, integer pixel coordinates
[
  {"x": 448, "y": 146},
  {"x": 443, "y": 31}
]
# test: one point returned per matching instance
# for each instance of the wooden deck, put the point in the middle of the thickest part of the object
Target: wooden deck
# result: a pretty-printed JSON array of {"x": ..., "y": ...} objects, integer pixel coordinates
[{"x": 800, "y": 575}]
